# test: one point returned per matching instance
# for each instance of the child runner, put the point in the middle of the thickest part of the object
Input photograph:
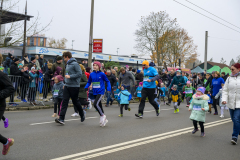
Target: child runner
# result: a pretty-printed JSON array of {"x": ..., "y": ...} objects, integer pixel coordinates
[
  {"x": 116, "y": 91},
  {"x": 163, "y": 88},
  {"x": 222, "y": 106},
  {"x": 188, "y": 92},
  {"x": 175, "y": 97},
  {"x": 57, "y": 92},
  {"x": 124, "y": 97},
  {"x": 139, "y": 91},
  {"x": 210, "y": 101},
  {"x": 199, "y": 107},
  {"x": 98, "y": 79}
]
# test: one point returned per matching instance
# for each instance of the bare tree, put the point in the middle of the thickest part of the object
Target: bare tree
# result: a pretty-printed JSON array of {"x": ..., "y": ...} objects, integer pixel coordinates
[
  {"x": 151, "y": 28},
  {"x": 223, "y": 61},
  {"x": 57, "y": 43}
]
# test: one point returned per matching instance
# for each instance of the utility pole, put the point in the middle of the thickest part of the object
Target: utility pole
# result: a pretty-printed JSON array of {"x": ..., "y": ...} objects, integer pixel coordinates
[
  {"x": 206, "y": 46},
  {"x": 91, "y": 36},
  {"x": 117, "y": 50},
  {"x": 1, "y": 21},
  {"x": 72, "y": 44},
  {"x": 25, "y": 30}
]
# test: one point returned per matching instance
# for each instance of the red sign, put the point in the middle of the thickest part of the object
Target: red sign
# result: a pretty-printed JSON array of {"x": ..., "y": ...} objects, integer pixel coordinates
[{"x": 97, "y": 45}]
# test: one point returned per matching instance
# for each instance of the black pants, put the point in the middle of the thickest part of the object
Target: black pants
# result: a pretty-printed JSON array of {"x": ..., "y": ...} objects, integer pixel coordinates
[
  {"x": 32, "y": 94},
  {"x": 3, "y": 118},
  {"x": 200, "y": 123},
  {"x": 57, "y": 104},
  {"x": 169, "y": 98},
  {"x": 215, "y": 103},
  {"x": 147, "y": 92},
  {"x": 46, "y": 88},
  {"x": 70, "y": 92},
  {"x": 121, "y": 108},
  {"x": 3, "y": 140},
  {"x": 23, "y": 90},
  {"x": 183, "y": 95},
  {"x": 83, "y": 102},
  {"x": 98, "y": 104},
  {"x": 188, "y": 100}
]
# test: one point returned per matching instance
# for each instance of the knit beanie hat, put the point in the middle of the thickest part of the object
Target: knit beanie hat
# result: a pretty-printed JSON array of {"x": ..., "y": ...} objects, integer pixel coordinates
[
  {"x": 138, "y": 71},
  {"x": 188, "y": 82},
  {"x": 124, "y": 86},
  {"x": 60, "y": 78},
  {"x": 59, "y": 58},
  {"x": 20, "y": 64},
  {"x": 236, "y": 65},
  {"x": 141, "y": 83},
  {"x": 98, "y": 63},
  {"x": 175, "y": 86},
  {"x": 145, "y": 62},
  {"x": 33, "y": 68},
  {"x": 32, "y": 58},
  {"x": 201, "y": 89}
]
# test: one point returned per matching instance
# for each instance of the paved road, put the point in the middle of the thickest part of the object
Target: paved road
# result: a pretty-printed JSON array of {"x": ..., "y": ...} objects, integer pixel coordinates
[{"x": 168, "y": 136}]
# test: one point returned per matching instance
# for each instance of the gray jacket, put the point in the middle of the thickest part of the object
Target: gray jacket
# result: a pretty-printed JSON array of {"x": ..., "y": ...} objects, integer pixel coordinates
[
  {"x": 73, "y": 69},
  {"x": 126, "y": 79},
  {"x": 58, "y": 87}
]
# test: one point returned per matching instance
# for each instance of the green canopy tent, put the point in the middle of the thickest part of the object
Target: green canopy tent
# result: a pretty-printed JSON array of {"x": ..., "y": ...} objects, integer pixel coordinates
[
  {"x": 214, "y": 68},
  {"x": 226, "y": 70},
  {"x": 197, "y": 70}
]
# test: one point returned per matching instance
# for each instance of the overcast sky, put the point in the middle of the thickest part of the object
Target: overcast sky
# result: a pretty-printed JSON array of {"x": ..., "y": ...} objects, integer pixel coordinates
[{"x": 115, "y": 21}]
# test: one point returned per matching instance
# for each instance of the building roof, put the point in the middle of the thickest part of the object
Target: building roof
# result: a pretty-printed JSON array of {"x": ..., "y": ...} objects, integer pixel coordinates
[
  {"x": 9, "y": 17},
  {"x": 214, "y": 64}
]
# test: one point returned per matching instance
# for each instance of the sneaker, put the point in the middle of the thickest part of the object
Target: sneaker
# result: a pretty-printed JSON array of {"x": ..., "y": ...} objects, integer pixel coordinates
[
  {"x": 45, "y": 100},
  {"x": 222, "y": 116},
  {"x": 194, "y": 131},
  {"x": 178, "y": 110},
  {"x": 234, "y": 141},
  {"x": 104, "y": 123},
  {"x": 111, "y": 102},
  {"x": 102, "y": 119},
  {"x": 175, "y": 111},
  {"x": 59, "y": 121},
  {"x": 202, "y": 134},
  {"x": 6, "y": 148},
  {"x": 139, "y": 115},
  {"x": 54, "y": 115},
  {"x": 6, "y": 124},
  {"x": 106, "y": 105},
  {"x": 168, "y": 104},
  {"x": 158, "y": 112},
  {"x": 187, "y": 106},
  {"x": 75, "y": 115},
  {"x": 121, "y": 115},
  {"x": 90, "y": 105},
  {"x": 83, "y": 118},
  {"x": 129, "y": 109},
  {"x": 24, "y": 101},
  {"x": 216, "y": 113}
]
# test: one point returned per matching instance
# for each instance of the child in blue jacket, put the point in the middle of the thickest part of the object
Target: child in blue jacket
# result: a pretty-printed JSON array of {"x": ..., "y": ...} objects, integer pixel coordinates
[
  {"x": 139, "y": 91},
  {"x": 57, "y": 92},
  {"x": 32, "y": 86},
  {"x": 98, "y": 79},
  {"x": 116, "y": 92},
  {"x": 124, "y": 97}
]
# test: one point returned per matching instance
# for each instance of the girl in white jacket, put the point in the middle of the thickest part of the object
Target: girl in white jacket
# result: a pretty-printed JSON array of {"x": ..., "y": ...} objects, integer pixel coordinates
[
  {"x": 231, "y": 97},
  {"x": 222, "y": 106}
]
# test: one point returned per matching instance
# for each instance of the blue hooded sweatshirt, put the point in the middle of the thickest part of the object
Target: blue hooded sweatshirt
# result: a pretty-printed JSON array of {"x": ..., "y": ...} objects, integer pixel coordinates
[
  {"x": 97, "y": 79},
  {"x": 217, "y": 85},
  {"x": 139, "y": 91},
  {"x": 149, "y": 74}
]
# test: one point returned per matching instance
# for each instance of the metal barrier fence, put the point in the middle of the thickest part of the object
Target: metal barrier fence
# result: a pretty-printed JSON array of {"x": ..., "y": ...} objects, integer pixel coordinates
[{"x": 33, "y": 90}]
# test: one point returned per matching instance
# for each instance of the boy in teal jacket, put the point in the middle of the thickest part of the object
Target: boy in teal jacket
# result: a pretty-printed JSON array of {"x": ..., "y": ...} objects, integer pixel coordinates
[
  {"x": 124, "y": 97},
  {"x": 199, "y": 107}
]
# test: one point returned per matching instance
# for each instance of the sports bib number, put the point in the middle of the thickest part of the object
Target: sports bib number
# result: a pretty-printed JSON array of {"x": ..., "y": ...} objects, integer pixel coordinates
[
  {"x": 96, "y": 85},
  {"x": 188, "y": 91},
  {"x": 139, "y": 92},
  {"x": 55, "y": 93},
  {"x": 197, "y": 107},
  {"x": 146, "y": 78}
]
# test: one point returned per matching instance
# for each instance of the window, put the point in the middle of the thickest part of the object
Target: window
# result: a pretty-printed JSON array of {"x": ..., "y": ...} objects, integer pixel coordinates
[
  {"x": 31, "y": 41},
  {"x": 41, "y": 42}
]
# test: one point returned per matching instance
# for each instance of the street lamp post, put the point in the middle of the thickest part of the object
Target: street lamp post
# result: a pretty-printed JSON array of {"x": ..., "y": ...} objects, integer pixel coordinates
[
  {"x": 72, "y": 44},
  {"x": 117, "y": 50},
  {"x": 91, "y": 36}
]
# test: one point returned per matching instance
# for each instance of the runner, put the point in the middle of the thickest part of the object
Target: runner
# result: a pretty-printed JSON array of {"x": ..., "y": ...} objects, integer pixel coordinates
[
  {"x": 149, "y": 85},
  {"x": 6, "y": 89},
  {"x": 98, "y": 79},
  {"x": 71, "y": 88}
]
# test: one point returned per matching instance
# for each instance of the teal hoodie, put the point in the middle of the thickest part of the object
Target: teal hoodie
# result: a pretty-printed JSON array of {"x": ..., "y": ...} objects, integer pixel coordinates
[
  {"x": 73, "y": 69},
  {"x": 124, "y": 96}
]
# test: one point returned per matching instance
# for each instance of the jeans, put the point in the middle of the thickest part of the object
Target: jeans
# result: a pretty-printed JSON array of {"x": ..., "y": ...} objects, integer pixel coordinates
[
  {"x": 235, "y": 116},
  {"x": 109, "y": 98}
]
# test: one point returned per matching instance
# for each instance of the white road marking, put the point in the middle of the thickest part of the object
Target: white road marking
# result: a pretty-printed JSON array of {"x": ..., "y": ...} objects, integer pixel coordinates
[
  {"x": 137, "y": 142},
  {"x": 160, "y": 110},
  {"x": 33, "y": 124}
]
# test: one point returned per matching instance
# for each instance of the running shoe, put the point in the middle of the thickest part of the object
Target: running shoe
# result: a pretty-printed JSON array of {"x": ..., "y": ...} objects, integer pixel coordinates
[
  {"x": 6, "y": 124},
  {"x": 222, "y": 116},
  {"x": 216, "y": 113},
  {"x": 6, "y": 148},
  {"x": 168, "y": 104},
  {"x": 75, "y": 115},
  {"x": 106, "y": 105},
  {"x": 187, "y": 106},
  {"x": 102, "y": 119},
  {"x": 24, "y": 101},
  {"x": 83, "y": 118},
  {"x": 194, "y": 131},
  {"x": 177, "y": 110},
  {"x": 158, "y": 112},
  {"x": 90, "y": 105},
  {"x": 59, "y": 121},
  {"x": 234, "y": 141},
  {"x": 202, "y": 134},
  {"x": 129, "y": 109},
  {"x": 104, "y": 123},
  {"x": 139, "y": 115},
  {"x": 121, "y": 115}
]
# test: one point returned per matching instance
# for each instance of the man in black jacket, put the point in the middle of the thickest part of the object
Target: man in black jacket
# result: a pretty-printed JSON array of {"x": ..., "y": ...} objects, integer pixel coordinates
[
  {"x": 113, "y": 82},
  {"x": 6, "y": 89},
  {"x": 40, "y": 60}
]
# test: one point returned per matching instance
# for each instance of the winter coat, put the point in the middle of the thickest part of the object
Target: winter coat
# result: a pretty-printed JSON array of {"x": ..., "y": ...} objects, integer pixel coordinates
[
  {"x": 139, "y": 91},
  {"x": 124, "y": 96},
  {"x": 6, "y": 89},
  {"x": 196, "y": 106},
  {"x": 208, "y": 88},
  {"x": 40, "y": 60},
  {"x": 48, "y": 76},
  {"x": 33, "y": 76},
  {"x": 14, "y": 70},
  {"x": 126, "y": 78},
  {"x": 219, "y": 94},
  {"x": 175, "y": 95},
  {"x": 57, "y": 90},
  {"x": 9, "y": 60},
  {"x": 83, "y": 82},
  {"x": 58, "y": 71},
  {"x": 139, "y": 77},
  {"x": 112, "y": 80},
  {"x": 98, "y": 79},
  {"x": 26, "y": 79},
  {"x": 176, "y": 81},
  {"x": 73, "y": 69},
  {"x": 209, "y": 81},
  {"x": 231, "y": 92},
  {"x": 216, "y": 85},
  {"x": 55, "y": 65}
]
